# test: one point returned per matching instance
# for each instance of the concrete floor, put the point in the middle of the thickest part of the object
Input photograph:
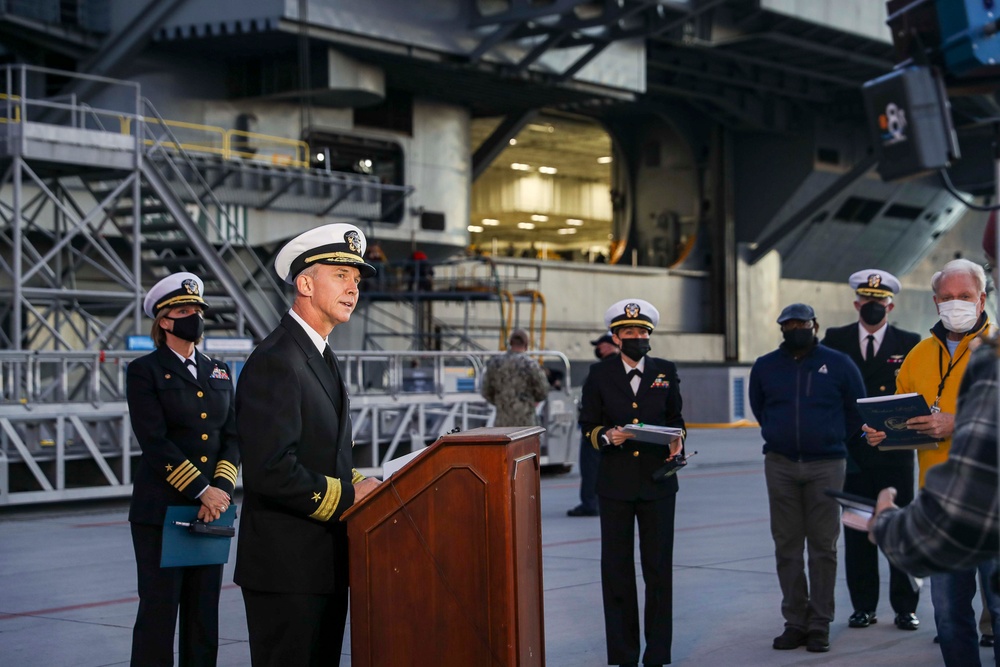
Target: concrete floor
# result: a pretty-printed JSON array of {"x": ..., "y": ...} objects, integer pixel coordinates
[{"x": 68, "y": 593}]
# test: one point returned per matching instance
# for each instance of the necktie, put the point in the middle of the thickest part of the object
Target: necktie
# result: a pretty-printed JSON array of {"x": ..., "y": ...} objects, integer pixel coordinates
[
  {"x": 337, "y": 388},
  {"x": 870, "y": 352},
  {"x": 331, "y": 362},
  {"x": 193, "y": 367},
  {"x": 635, "y": 372}
]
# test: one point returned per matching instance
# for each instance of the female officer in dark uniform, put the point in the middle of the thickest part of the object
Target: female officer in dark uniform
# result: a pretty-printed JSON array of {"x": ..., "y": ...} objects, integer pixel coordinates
[
  {"x": 183, "y": 416},
  {"x": 633, "y": 389}
]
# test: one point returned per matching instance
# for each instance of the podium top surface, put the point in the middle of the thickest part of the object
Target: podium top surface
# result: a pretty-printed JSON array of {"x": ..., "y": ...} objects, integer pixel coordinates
[{"x": 494, "y": 434}]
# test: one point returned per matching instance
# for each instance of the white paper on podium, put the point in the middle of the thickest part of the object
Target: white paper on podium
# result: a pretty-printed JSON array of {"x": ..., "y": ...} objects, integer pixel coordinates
[{"x": 389, "y": 467}]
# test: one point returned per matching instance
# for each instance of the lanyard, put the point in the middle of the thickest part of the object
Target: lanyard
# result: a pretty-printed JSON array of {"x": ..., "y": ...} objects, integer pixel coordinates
[{"x": 944, "y": 375}]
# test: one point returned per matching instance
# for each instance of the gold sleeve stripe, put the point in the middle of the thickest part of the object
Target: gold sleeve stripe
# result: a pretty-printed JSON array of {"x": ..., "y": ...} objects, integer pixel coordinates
[
  {"x": 356, "y": 476},
  {"x": 330, "y": 501},
  {"x": 181, "y": 471},
  {"x": 226, "y": 470},
  {"x": 594, "y": 435},
  {"x": 184, "y": 475}
]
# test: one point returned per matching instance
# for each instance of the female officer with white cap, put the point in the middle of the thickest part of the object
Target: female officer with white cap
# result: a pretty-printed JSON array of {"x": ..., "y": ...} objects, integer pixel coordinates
[
  {"x": 631, "y": 389},
  {"x": 182, "y": 408}
]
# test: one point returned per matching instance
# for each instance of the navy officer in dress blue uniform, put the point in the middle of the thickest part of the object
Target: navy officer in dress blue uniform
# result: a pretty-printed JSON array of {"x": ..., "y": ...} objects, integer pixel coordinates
[
  {"x": 181, "y": 406},
  {"x": 877, "y": 348},
  {"x": 293, "y": 417},
  {"x": 633, "y": 388}
]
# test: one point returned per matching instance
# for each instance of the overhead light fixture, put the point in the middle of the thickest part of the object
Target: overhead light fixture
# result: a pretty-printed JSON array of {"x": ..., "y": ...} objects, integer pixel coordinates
[
  {"x": 491, "y": 222},
  {"x": 540, "y": 218},
  {"x": 475, "y": 228},
  {"x": 512, "y": 142},
  {"x": 604, "y": 159},
  {"x": 519, "y": 166},
  {"x": 525, "y": 225},
  {"x": 567, "y": 230},
  {"x": 320, "y": 157},
  {"x": 574, "y": 222},
  {"x": 547, "y": 170}
]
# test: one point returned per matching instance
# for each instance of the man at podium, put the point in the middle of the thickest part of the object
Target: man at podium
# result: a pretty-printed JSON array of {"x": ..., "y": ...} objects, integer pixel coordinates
[
  {"x": 293, "y": 418},
  {"x": 631, "y": 389}
]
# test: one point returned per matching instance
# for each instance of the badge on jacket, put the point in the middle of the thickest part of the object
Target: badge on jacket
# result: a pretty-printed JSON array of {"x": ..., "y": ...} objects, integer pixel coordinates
[{"x": 219, "y": 373}]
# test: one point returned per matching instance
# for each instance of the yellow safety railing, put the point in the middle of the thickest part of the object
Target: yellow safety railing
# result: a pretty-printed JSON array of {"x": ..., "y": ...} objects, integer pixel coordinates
[
  {"x": 17, "y": 108},
  {"x": 214, "y": 142},
  {"x": 230, "y": 144},
  {"x": 253, "y": 146}
]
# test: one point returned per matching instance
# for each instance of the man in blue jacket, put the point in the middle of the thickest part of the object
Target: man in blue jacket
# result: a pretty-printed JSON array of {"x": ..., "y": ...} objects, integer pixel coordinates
[{"x": 805, "y": 397}]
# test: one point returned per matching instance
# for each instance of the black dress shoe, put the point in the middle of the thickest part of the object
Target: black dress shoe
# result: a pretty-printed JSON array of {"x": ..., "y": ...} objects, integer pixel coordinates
[
  {"x": 789, "y": 639},
  {"x": 987, "y": 641},
  {"x": 580, "y": 510},
  {"x": 862, "y": 619},
  {"x": 625, "y": 664},
  {"x": 818, "y": 641},
  {"x": 907, "y": 621}
]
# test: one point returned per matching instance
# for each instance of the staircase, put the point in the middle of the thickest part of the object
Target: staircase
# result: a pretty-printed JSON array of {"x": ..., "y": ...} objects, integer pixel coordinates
[{"x": 200, "y": 236}]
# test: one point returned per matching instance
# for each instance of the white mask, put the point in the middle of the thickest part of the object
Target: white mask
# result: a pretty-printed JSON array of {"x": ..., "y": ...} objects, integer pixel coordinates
[{"x": 957, "y": 315}]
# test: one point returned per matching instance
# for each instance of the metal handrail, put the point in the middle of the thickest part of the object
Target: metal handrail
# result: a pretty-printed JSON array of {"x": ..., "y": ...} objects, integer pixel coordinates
[{"x": 47, "y": 374}]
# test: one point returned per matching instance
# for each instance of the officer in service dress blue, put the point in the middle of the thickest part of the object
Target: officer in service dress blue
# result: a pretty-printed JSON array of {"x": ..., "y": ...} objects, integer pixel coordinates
[
  {"x": 182, "y": 408},
  {"x": 877, "y": 348},
  {"x": 633, "y": 388},
  {"x": 293, "y": 417}
]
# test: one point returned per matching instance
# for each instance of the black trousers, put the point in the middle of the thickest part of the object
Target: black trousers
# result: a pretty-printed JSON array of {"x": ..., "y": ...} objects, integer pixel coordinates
[
  {"x": 590, "y": 459},
  {"x": 656, "y": 555},
  {"x": 194, "y": 591},
  {"x": 861, "y": 556},
  {"x": 294, "y": 629}
]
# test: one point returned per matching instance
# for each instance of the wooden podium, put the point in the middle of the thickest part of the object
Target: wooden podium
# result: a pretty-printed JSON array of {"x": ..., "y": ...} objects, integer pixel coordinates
[{"x": 446, "y": 561}]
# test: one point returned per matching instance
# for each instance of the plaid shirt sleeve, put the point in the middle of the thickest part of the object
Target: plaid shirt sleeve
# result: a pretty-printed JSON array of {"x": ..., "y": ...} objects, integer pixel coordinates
[{"x": 952, "y": 523}]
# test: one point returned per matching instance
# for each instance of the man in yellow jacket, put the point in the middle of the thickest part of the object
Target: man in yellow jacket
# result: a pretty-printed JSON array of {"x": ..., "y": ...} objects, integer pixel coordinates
[{"x": 934, "y": 369}]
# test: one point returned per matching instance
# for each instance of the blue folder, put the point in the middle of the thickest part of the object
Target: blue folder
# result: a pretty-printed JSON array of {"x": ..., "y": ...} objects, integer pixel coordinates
[{"x": 182, "y": 548}]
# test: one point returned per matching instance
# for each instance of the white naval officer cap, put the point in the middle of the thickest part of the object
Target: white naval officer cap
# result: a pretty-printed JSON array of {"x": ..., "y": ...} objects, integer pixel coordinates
[
  {"x": 336, "y": 243},
  {"x": 177, "y": 289},
  {"x": 631, "y": 313},
  {"x": 874, "y": 282}
]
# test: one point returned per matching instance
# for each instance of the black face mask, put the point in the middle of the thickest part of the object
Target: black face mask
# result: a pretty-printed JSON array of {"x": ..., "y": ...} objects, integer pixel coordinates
[
  {"x": 635, "y": 348},
  {"x": 872, "y": 313},
  {"x": 188, "y": 328},
  {"x": 799, "y": 339}
]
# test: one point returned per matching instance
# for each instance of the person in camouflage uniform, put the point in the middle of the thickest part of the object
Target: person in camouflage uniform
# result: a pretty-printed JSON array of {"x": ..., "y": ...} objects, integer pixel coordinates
[{"x": 514, "y": 383}]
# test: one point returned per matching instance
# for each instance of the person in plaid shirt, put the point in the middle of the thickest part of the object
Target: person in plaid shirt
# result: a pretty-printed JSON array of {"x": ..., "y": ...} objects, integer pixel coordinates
[{"x": 953, "y": 522}]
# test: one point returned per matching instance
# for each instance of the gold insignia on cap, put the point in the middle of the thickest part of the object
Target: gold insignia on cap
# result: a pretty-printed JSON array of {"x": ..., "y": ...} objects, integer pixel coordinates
[
  {"x": 190, "y": 286},
  {"x": 874, "y": 280},
  {"x": 353, "y": 241},
  {"x": 632, "y": 310}
]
